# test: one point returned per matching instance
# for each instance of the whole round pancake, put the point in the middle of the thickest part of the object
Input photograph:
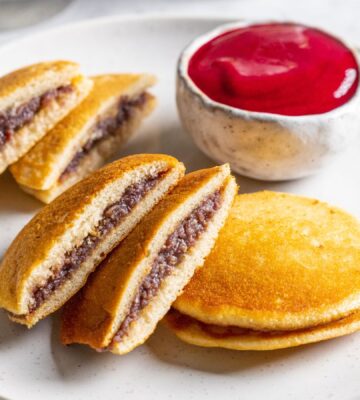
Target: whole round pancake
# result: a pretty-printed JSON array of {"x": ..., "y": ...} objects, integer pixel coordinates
[
  {"x": 281, "y": 262},
  {"x": 194, "y": 332}
]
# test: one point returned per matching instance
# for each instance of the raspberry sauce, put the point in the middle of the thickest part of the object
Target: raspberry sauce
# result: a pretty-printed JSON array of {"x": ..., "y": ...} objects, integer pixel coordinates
[{"x": 279, "y": 68}]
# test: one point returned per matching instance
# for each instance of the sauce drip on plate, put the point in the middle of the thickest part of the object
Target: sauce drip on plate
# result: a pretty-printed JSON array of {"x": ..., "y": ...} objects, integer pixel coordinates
[{"x": 279, "y": 68}]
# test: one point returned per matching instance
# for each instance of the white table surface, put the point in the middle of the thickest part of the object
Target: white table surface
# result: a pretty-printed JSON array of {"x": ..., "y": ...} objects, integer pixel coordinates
[{"x": 340, "y": 16}]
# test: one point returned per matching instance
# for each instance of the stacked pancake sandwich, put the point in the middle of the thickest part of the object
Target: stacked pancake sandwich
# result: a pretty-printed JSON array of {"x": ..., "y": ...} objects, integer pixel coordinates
[
  {"x": 85, "y": 139},
  {"x": 135, "y": 286},
  {"x": 51, "y": 258},
  {"x": 285, "y": 271},
  {"x": 32, "y": 100}
]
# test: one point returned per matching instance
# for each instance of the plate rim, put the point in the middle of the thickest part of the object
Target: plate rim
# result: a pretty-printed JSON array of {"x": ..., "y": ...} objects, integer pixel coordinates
[{"x": 111, "y": 19}]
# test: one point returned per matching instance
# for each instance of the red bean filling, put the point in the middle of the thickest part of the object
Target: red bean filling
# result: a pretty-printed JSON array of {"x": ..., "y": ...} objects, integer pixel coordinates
[
  {"x": 15, "y": 118},
  {"x": 105, "y": 128},
  {"x": 170, "y": 255},
  {"x": 111, "y": 218}
]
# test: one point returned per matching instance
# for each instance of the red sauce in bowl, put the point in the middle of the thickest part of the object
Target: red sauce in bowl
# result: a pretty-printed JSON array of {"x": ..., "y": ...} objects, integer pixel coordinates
[{"x": 280, "y": 68}]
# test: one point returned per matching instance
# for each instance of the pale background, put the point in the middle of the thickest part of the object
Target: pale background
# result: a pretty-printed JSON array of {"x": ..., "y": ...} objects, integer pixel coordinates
[{"x": 341, "y": 16}]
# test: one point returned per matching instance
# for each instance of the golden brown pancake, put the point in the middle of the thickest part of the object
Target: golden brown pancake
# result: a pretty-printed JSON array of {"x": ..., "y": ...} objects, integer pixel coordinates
[
  {"x": 281, "y": 263},
  {"x": 53, "y": 255}
]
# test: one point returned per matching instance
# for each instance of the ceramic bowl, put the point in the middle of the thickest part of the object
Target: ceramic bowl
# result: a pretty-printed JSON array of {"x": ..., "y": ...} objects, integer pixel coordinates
[{"x": 262, "y": 145}]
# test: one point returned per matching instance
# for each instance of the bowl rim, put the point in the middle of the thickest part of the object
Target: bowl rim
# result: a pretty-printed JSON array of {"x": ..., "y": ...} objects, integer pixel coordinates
[{"x": 352, "y": 105}]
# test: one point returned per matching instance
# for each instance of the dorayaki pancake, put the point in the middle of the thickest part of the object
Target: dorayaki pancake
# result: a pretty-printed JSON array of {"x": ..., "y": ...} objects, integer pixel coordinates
[
  {"x": 195, "y": 332},
  {"x": 88, "y": 136},
  {"x": 281, "y": 262},
  {"x": 52, "y": 256},
  {"x": 135, "y": 286},
  {"x": 32, "y": 100}
]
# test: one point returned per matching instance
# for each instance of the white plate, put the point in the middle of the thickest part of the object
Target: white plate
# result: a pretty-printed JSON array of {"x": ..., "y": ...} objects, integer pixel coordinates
[{"x": 33, "y": 364}]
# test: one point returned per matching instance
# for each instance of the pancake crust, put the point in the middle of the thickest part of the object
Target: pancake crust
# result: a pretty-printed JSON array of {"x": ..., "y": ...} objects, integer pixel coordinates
[
  {"x": 281, "y": 262},
  {"x": 35, "y": 240},
  {"x": 41, "y": 167},
  {"x": 27, "y": 76},
  {"x": 192, "y": 331}
]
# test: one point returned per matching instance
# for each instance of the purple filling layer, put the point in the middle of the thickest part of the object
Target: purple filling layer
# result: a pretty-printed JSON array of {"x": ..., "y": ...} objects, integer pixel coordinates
[
  {"x": 15, "y": 118},
  {"x": 111, "y": 218},
  {"x": 170, "y": 255}
]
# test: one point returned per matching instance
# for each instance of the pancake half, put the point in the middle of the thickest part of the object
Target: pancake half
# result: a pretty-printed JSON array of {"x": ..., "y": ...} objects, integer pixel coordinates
[
  {"x": 135, "y": 286},
  {"x": 51, "y": 258},
  {"x": 281, "y": 263},
  {"x": 32, "y": 101},
  {"x": 85, "y": 139}
]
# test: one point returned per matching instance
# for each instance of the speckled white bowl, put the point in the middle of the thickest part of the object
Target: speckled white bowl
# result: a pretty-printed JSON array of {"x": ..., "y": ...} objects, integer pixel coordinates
[{"x": 262, "y": 145}]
